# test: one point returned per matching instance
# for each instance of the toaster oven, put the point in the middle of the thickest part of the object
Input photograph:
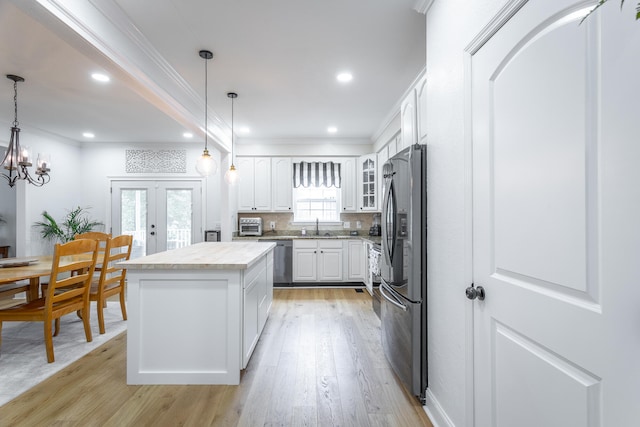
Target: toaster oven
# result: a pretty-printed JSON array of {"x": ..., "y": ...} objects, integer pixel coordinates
[{"x": 250, "y": 227}]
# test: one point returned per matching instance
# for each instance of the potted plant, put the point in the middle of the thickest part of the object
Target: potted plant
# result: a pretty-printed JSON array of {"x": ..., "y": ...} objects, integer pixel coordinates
[{"x": 75, "y": 222}]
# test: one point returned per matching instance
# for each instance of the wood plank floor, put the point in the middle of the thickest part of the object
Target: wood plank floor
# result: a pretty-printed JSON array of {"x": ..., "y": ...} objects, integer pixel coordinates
[{"x": 319, "y": 362}]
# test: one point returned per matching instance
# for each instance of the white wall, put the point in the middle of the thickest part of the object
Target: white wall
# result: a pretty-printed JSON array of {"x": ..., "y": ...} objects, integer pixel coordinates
[
  {"x": 7, "y": 209},
  {"x": 80, "y": 176},
  {"x": 102, "y": 162},
  {"x": 451, "y": 25},
  {"x": 57, "y": 197}
]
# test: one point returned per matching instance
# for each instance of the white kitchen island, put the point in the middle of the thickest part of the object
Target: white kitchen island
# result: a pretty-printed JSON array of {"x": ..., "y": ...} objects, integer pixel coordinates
[{"x": 196, "y": 313}]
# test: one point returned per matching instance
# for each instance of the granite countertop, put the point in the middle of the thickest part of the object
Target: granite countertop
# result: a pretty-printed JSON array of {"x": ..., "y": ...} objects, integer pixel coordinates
[
  {"x": 206, "y": 255},
  {"x": 268, "y": 236}
]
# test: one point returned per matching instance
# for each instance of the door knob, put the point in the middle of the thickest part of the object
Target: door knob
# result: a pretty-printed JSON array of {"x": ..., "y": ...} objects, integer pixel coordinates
[
  {"x": 153, "y": 233},
  {"x": 475, "y": 292}
]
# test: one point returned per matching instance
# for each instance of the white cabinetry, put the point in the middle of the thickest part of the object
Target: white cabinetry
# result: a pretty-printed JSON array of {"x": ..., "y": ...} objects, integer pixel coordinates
[
  {"x": 254, "y": 183},
  {"x": 408, "y": 120},
  {"x": 421, "y": 110},
  {"x": 413, "y": 115},
  {"x": 305, "y": 261},
  {"x": 368, "y": 280},
  {"x": 258, "y": 295},
  {"x": 357, "y": 261},
  {"x": 317, "y": 260},
  {"x": 282, "y": 184},
  {"x": 367, "y": 183},
  {"x": 348, "y": 185}
]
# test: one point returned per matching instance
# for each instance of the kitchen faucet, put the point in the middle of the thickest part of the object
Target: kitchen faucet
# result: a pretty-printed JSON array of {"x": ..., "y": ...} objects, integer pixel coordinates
[{"x": 317, "y": 228}]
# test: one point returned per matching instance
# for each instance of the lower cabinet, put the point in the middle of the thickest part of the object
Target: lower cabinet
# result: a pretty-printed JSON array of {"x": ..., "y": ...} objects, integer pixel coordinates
[
  {"x": 317, "y": 260},
  {"x": 329, "y": 260},
  {"x": 357, "y": 261},
  {"x": 258, "y": 296}
]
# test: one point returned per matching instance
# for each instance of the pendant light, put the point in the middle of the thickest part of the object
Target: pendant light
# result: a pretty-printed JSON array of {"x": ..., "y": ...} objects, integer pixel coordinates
[
  {"x": 16, "y": 159},
  {"x": 231, "y": 176},
  {"x": 206, "y": 165}
]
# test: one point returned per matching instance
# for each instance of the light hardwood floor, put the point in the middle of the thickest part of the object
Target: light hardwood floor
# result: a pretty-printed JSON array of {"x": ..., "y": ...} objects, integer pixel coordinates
[{"x": 319, "y": 362}]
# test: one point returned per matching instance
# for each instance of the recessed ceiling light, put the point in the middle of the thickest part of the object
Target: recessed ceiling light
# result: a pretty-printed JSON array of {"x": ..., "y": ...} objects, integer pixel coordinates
[
  {"x": 187, "y": 135},
  {"x": 88, "y": 135},
  {"x": 244, "y": 129},
  {"x": 332, "y": 129},
  {"x": 103, "y": 78},
  {"x": 344, "y": 77}
]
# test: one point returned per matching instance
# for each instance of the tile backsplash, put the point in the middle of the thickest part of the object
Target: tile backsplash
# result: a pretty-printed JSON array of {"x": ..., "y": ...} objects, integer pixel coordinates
[{"x": 284, "y": 223}]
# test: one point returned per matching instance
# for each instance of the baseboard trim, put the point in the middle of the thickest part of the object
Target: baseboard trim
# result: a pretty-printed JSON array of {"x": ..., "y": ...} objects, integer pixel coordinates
[{"x": 435, "y": 412}]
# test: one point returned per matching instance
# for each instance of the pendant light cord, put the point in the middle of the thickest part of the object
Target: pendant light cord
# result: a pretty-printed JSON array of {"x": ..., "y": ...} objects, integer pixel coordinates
[
  {"x": 206, "y": 103},
  {"x": 232, "y": 130}
]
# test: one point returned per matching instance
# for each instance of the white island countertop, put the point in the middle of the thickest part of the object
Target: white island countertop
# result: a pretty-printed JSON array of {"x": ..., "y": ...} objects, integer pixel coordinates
[{"x": 205, "y": 255}]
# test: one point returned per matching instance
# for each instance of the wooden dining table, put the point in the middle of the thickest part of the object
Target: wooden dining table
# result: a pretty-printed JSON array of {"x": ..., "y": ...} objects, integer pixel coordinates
[{"x": 40, "y": 267}]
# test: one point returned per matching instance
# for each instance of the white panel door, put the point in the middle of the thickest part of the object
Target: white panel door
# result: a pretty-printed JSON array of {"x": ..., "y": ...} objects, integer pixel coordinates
[
  {"x": 161, "y": 215},
  {"x": 555, "y": 218}
]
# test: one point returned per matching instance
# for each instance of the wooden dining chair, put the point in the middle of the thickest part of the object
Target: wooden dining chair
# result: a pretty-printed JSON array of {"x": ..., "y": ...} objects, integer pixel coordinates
[
  {"x": 101, "y": 238},
  {"x": 65, "y": 294},
  {"x": 112, "y": 276},
  {"x": 102, "y": 242}
]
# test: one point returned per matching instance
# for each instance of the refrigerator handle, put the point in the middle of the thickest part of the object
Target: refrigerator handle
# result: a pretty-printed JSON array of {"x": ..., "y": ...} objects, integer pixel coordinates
[
  {"x": 392, "y": 300},
  {"x": 385, "y": 205}
]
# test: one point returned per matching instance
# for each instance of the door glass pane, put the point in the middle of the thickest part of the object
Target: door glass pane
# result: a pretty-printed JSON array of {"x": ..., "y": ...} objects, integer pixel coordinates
[
  {"x": 133, "y": 216},
  {"x": 179, "y": 218}
]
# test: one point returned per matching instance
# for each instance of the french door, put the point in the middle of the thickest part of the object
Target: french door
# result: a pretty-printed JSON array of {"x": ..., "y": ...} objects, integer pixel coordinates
[{"x": 161, "y": 215}]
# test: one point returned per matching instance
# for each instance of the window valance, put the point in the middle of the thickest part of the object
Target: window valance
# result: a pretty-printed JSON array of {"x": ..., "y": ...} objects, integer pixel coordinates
[{"x": 316, "y": 174}]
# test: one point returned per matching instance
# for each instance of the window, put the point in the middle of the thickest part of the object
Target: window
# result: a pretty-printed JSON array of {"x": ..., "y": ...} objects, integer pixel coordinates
[
  {"x": 313, "y": 203},
  {"x": 316, "y": 192}
]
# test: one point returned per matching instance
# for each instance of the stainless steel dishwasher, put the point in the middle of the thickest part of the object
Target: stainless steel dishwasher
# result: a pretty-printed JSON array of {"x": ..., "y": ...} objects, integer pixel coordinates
[{"x": 282, "y": 262}]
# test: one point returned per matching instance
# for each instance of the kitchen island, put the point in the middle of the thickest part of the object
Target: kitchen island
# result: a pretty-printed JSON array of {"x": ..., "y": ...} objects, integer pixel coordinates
[{"x": 196, "y": 313}]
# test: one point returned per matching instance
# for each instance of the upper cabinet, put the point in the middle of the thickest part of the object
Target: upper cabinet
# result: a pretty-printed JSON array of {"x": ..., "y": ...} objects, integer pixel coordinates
[
  {"x": 254, "y": 185},
  {"x": 408, "y": 121},
  {"x": 367, "y": 183},
  {"x": 348, "y": 185},
  {"x": 282, "y": 184},
  {"x": 413, "y": 115},
  {"x": 421, "y": 110}
]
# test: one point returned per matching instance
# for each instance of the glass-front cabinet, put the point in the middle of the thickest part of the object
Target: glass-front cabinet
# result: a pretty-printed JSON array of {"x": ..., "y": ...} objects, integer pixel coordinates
[{"x": 367, "y": 183}]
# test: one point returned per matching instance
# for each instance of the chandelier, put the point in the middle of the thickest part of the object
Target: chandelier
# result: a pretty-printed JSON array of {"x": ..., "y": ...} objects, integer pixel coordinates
[{"x": 17, "y": 159}]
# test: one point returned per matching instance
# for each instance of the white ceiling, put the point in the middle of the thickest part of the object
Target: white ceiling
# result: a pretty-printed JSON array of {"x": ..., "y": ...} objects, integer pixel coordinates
[{"x": 280, "y": 56}]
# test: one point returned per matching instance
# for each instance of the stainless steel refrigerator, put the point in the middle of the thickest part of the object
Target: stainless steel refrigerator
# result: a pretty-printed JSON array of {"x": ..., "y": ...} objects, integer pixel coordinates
[{"x": 404, "y": 267}]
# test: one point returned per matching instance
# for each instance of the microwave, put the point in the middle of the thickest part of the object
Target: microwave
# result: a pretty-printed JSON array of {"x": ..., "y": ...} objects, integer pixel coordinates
[{"x": 250, "y": 227}]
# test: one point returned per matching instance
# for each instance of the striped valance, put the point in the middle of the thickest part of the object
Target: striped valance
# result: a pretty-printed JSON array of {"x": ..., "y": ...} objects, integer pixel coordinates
[{"x": 316, "y": 174}]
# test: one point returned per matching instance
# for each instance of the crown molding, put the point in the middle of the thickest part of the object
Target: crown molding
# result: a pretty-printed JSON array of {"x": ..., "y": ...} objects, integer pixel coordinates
[{"x": 104, "y": 25}]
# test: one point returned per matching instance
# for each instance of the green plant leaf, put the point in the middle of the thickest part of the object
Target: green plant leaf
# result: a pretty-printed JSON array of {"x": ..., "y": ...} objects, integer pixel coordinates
[{"x": 75, "y": 222}]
